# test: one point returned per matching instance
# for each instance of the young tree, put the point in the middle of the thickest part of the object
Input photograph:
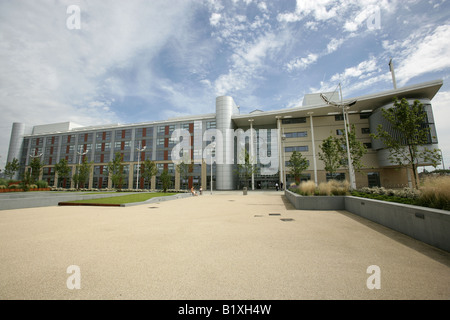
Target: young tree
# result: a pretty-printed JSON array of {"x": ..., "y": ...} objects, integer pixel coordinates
[
  {"x": 183, "y": 169},
  {"x": 36, "y": 167},
  {"x": 11, "y": 168},
  {"x": 357, "y": 149},
  {"x": 407, "y": 136},
  {"x": 330, "y": 154},
  {"x": 246, "y": 168},
  {"x": 148, "y": 170},
  {"x": 166, "y": 180},
  {"x": 298, "y": 164},
  {"x": 115, "y": 171},
  {"x": 83, "y": 172},
  {"x": 63, "y": 170}
]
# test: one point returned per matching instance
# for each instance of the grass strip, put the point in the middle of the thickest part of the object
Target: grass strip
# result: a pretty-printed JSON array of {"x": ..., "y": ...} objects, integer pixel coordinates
[{"x": 141, "y": 197}]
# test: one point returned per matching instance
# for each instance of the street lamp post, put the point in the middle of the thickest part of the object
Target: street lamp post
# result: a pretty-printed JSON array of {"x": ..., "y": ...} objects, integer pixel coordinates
[
  {"x": 80, "y": 154},
  {"x": 213, "y": 145},
  {"x": 313, "y": 146},
  {"x": 139, "y": 150},
  {"x": 345, "y": 108},
  {"x": 251, "y": 152},
  {"x": 283, "y": 138}
]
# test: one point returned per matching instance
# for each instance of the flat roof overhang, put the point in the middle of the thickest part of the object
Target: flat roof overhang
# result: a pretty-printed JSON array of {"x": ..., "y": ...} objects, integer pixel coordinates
[{"x": 425, "y": 90}]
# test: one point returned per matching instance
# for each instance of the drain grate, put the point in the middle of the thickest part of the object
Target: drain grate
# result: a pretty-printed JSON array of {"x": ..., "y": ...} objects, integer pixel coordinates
[
  {"x": 153, "y": 207},
  {"x": 287, "y": 219},
  {"x": 258, "y": 215},
  {"x": 274, "y": 214}
]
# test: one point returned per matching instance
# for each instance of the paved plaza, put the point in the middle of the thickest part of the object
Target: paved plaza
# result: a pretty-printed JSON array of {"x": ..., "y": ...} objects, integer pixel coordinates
[{"x": 220, "y": 246}]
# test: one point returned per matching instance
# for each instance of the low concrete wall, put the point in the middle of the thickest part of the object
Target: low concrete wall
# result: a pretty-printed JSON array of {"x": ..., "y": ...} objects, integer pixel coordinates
[
  {"x": 315, "y": 203},
  {"x": 428, "y": 225}
]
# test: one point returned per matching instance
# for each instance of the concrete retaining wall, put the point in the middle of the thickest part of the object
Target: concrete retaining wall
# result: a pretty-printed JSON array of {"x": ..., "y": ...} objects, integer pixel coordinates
[
  {"x": 316, "y": 203},
  {"x": 428, "y": 225}
]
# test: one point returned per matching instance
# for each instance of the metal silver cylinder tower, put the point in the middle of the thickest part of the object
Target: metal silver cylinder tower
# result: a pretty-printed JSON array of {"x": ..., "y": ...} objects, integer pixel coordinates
[
  {"x": 15, "y": 143},
  {"x": 225, "y": 173}
]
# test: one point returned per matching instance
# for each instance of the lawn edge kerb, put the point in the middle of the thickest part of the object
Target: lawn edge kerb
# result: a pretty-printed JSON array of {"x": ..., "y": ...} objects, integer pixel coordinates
[
  {"x": 75, "y": 204},
  {"x": 126, "y": 204}
]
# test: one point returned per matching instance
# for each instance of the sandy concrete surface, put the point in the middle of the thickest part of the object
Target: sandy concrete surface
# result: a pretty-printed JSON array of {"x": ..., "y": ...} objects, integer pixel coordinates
[{"x": 224, "y": 246}]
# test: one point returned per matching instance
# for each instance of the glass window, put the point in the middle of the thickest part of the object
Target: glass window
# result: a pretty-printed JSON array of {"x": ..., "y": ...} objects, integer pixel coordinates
[
  {"x": 339, "y": 117},
  {"x": 365, "y": 130},
  {"x": 340, "y": 132},
  {"x": 301, "y": 134},
  {"x": 365, "y": 115},
  {"x": 336, "y": 176},
  {"x": 294, "y": 120}
]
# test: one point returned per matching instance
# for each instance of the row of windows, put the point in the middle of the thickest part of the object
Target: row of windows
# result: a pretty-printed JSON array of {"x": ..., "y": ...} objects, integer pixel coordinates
[
  {"x": 301, "y": 134},
  {"x": 297, "y": 148}
]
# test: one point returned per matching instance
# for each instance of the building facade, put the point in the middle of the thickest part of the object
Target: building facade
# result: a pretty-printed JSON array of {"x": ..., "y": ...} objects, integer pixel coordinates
[{"x": 283, "y": 131}]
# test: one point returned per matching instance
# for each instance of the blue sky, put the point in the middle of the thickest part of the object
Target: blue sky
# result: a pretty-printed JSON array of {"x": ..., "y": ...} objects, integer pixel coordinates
[{"x": 135, "y": 61}]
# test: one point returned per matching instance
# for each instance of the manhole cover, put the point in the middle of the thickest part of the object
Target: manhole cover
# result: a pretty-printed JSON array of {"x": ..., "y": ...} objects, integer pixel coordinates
[
  {"x": 287, "y": 219},
  {"x": 274, "y": 214}
]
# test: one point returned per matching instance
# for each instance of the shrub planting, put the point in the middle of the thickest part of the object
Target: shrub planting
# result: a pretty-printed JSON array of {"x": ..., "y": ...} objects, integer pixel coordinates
[
  {"x": 435, "y": 192},
  {"x": 330, "y": 188}
]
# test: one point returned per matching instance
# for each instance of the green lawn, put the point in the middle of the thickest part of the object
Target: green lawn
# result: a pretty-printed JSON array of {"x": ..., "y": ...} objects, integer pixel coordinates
[{"x": 131, "y": 198}]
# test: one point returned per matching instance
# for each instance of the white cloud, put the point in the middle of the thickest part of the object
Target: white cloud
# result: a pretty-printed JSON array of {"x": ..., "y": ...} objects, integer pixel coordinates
[
  {"x": 302, "y": 63},
  {"x": 430, "y": 54},
  {"x": 215, "y": 19}
]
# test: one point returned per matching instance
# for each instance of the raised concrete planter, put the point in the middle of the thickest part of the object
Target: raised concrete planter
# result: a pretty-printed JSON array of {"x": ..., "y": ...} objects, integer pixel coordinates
[
  {"x": 315, "y": 202},
  {"x": 428, "y": 225}
]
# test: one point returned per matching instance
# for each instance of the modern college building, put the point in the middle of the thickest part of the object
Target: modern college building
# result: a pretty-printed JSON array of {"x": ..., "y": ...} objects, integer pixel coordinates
[{"x": 300, "y": 129}]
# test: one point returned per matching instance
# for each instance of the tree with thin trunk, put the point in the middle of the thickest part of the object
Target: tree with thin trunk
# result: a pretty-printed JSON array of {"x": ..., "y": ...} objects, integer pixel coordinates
[
  {"x": 357, "y": 149},
  {"x": 297, "y": 164},
  {"x": 246, "y": 167},
  {"x": 330, "y": 154},
  {"x": 36, "y": 166},
  {"x": 148, "y": 170},
  {"x": 406, "y": 135},
  {"x": 115, "y": 170},
  {"x": 62, "y": 169},
  {"x": 11, "y": 168},
  {"x": 165, "y": 180}
]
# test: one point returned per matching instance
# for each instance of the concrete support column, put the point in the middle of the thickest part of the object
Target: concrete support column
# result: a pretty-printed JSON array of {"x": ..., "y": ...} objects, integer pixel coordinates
[
  {"x": 91, "y": 177},
  {"x": 131, "y": 176},
  {"x": 204, "y": 175},
  {"x": 153, "y": 183},
  {"x": 74, "y": 170},
  {"x": 55, "y": 183},
  {"x": 177, "y": 180}
]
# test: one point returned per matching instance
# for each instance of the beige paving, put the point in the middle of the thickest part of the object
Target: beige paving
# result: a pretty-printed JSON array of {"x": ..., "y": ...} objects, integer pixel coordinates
[{"x": 224, "y": 246}]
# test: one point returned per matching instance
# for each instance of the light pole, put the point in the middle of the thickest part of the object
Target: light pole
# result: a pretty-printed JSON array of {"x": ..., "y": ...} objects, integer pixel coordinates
[
  {"x": 345, "y": 108},
  {"x": 313, "y": 146},
  {"x": 279, "y": 144},
  {"x": 283, "y": 138},
  {"x": 251, "y": 152},
  {"x": 213, "y": 145},
  {"x": 139, "y": 150},
  {"x": 80, "y": 154}
]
